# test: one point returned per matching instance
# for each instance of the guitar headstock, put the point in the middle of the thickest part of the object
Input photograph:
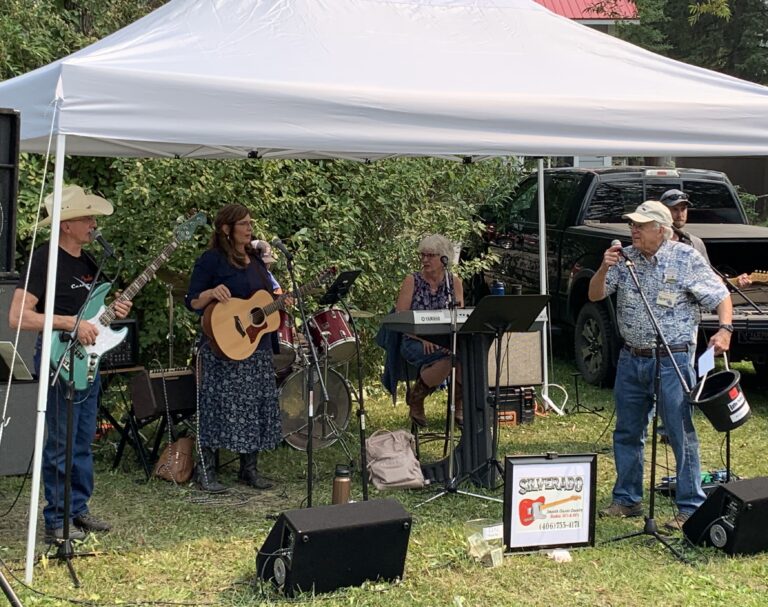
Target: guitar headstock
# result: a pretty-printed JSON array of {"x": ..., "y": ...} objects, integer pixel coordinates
[{"x": 185, "y": 230}]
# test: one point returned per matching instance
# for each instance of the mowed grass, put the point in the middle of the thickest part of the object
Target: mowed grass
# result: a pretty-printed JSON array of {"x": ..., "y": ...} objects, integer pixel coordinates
[{"x": 171, "y": 544}]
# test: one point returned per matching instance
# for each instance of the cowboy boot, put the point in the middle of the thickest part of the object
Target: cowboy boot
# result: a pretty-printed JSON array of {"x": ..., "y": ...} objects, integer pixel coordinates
[
  {"x": 415, "y": 396},
  {"x": 249, "y": 473},
  {"x": 205, "y": 473}
]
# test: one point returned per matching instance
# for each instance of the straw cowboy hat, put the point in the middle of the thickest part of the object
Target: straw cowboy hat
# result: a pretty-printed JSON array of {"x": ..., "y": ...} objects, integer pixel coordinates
[{"x": 76, "y": 203}]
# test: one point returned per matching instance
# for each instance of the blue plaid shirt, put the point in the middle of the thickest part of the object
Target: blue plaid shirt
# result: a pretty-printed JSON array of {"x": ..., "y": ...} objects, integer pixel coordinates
[{"x": 675, "y": 281}]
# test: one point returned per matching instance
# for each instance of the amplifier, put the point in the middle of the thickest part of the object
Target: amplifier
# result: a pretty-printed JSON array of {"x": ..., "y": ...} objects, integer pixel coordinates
[
  {"x": 516, "y": 405},
  {"x": 521, "y": 363},
  {"x": 150, "y": 388},
  {"x": 126, "y": 353}
]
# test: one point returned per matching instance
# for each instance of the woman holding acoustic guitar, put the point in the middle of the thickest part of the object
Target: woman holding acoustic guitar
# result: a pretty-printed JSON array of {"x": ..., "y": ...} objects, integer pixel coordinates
[{"x": 237, "y": 405}]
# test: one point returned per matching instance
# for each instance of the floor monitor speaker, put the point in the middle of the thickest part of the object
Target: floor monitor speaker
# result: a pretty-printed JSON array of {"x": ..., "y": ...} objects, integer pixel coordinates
[
  {"x": 733, "y": 518},
  {"x": 328, "y": 547}
]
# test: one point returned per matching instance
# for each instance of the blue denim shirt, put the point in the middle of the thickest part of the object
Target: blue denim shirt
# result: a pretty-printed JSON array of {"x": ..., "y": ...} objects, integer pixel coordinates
[{"x": 675, "y": 281}]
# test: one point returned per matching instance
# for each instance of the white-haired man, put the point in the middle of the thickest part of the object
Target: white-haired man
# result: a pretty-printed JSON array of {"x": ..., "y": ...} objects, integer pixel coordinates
[{"x": 675, "y": 279}]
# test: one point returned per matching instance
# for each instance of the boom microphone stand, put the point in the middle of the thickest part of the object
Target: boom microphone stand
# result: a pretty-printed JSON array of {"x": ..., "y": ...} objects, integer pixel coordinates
[
  {"x": 313, "y": 369},
  {"x": 650, "y": 528},
  {"x": 65, "y": 550},
  {"x": 336, "y": 294}
]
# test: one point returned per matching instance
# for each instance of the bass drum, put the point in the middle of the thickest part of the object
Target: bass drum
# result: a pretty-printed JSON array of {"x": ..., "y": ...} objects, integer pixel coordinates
[{"x": 331, "y": 418}]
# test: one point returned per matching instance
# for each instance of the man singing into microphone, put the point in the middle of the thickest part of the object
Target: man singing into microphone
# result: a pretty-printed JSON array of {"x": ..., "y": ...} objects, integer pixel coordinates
[
  {"x": 75, "y": 273},
  {"x": 675, "y": 280}
]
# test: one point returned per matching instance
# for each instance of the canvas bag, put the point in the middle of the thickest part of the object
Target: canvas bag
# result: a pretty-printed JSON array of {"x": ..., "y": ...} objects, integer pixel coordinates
[
  {"x": 392, "y": 462},
  {"x": 176, "y": 462}
]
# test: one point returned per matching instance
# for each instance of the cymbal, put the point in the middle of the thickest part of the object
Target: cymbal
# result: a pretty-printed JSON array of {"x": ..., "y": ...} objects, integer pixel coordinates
[{"x": 361, "y": 314}]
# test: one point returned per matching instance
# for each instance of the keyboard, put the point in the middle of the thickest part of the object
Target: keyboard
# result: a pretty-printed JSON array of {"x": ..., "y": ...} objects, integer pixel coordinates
[{"x": 425, "y": 322}]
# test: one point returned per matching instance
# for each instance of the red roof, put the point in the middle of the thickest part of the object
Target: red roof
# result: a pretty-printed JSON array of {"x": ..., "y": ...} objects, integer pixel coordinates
[{"x": 584, "y": 9}]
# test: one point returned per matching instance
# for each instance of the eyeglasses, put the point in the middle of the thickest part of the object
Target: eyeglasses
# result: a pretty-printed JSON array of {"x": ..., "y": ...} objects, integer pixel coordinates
[
  {"x": 244, "y": 222},
  {"x": 634, "y": 225},
  {"x": 428, "y": 255}
]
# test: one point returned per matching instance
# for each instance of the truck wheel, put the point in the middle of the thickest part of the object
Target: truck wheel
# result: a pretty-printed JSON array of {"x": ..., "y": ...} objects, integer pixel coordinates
[{"x": 593, "y": 345}]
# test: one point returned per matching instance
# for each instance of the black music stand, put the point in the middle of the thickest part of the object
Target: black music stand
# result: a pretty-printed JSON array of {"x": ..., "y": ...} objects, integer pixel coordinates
[
  {"x": 340, "y": 288},
  {"x": 494, "y": 315}
]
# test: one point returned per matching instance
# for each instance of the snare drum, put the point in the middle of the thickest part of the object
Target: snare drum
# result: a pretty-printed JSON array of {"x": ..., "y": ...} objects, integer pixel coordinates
[
  {"x": 286, "y": 336},
  {"x": 332, "y": 336}
]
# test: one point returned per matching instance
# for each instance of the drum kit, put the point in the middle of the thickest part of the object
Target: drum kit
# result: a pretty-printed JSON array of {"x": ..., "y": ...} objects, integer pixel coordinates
[{"x": 336, "y": 344}]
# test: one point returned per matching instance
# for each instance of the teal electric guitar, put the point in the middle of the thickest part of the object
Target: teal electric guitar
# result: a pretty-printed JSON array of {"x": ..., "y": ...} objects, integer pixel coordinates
[{"x": 87, "y": 358}]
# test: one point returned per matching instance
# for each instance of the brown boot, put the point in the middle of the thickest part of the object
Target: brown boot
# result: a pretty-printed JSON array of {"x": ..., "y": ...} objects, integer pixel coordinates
[{"x": 415, "y": 398}]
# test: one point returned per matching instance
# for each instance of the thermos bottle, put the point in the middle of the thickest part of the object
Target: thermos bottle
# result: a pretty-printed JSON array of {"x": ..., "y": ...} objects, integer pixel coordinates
[
  {"x": 497, "y": 288},
  {"x": 341, "y": 485}
]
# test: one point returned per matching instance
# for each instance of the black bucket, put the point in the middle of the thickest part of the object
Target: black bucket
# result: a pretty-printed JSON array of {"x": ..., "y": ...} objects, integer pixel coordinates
[{"x": 722, "y": 400}]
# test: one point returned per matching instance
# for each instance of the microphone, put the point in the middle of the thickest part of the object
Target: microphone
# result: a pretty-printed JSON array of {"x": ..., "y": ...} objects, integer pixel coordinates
[
  {"x": 444, "y": 261},
  {"x": 108, "y": 250},
  {"x": 278, "y": 244},
  {"x": 617, "y": 243}
]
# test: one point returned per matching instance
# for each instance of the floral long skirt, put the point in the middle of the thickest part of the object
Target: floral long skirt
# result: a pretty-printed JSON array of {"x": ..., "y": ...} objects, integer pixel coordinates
[{"x": 238, "y": 406}]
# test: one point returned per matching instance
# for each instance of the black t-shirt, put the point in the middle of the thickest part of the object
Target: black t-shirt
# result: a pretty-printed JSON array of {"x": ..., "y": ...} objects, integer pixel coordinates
[{"x": 74, "y": 276}]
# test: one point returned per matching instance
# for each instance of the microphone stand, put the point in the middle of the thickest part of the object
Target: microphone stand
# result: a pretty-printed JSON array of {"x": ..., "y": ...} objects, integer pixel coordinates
[
  {"x": 65, "y": 550},
  {"x": 314, "y": 368},
  {"x": 650, "y": 528}
]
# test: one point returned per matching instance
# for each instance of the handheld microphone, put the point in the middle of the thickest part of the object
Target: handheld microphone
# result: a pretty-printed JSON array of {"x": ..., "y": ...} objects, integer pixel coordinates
[
  {"x": 108, "y": 250},
  {"x": 278, "y": 244},
  {"x": 617, "y": 243},
  {"x": 444, "y": 261}
]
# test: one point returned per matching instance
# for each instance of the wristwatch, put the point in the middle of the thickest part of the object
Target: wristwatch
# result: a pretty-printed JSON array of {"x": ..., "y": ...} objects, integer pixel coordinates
[{"x": 727, "y": 327}]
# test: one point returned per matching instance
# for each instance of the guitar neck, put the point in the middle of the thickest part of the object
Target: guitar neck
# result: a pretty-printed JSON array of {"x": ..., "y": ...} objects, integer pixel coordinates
[
  {"x": 279, "y": 303},
  {"x": 148, "y": 274}
]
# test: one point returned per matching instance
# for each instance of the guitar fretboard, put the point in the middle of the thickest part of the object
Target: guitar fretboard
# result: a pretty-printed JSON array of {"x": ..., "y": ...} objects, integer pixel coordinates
[{"x": 279, "y": 303}]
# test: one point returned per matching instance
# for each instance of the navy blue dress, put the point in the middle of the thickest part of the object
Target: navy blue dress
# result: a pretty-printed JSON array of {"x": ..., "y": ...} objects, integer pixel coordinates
[{"x": 238, "y": 406}]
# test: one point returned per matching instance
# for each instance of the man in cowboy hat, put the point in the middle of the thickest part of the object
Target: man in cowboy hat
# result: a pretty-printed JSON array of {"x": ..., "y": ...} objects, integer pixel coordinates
[
  {"x": 675, "y": 280},
  {"x": 76, "y": 271}
]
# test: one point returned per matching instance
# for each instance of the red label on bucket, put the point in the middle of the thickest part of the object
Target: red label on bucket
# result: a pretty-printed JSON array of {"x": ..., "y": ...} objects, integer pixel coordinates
[{"x": 733, "y": 392}]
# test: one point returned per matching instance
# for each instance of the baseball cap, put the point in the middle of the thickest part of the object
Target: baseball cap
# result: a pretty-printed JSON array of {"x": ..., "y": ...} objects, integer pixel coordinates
[
  {"x": 673, "y": 197},
  {"x": 265, "y": 250},
  {"x": 651, "y": 210}
]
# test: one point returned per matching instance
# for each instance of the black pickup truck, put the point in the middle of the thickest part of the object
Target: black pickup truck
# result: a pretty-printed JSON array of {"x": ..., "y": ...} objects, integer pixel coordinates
[{"x": 583, "y": 211}]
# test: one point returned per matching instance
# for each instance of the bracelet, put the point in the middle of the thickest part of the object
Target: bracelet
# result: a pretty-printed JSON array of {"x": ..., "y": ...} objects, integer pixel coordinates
[{"x": 727, "y": 327}]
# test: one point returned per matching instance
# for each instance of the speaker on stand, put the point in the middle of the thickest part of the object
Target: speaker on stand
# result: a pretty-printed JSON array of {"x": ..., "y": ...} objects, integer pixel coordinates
[
  {"x": 9, "y": 187},
  {"x": 327, "y": 547}
]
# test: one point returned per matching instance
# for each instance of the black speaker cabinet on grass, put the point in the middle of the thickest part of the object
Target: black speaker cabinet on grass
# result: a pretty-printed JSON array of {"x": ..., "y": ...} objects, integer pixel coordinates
[
  {"x": 328, "y": 547},
  {"x": 734, "y": 518}
]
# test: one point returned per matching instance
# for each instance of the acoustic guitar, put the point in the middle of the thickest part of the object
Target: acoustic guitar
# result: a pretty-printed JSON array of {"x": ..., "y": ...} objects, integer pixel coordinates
[
  {"x": 755, "y": 277},
  {"x": 236, "y": 327}
]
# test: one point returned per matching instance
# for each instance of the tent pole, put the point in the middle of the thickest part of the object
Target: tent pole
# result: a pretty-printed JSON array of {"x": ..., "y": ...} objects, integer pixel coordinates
[
  {"x": 42, "y": 394},
  {"x": 543, "y": 290}
]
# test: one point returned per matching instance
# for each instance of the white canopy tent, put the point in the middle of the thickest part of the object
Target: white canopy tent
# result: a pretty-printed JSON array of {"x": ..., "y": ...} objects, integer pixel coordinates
[{"x": 370, "y": 79}]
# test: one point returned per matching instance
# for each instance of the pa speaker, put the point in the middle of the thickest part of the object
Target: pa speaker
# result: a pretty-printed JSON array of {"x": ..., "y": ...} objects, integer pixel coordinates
[
  {"x": 328, "y": 547},
  {"x": 732, "y": 518},
  {"x": 9, "y": 186}
]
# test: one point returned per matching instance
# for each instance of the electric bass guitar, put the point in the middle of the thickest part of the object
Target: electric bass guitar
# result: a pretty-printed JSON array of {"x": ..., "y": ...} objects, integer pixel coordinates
[
  {"x": 755, "y": 277},
  {"x": 236, "y": 327},
  {"x": 87, "y": 358}
]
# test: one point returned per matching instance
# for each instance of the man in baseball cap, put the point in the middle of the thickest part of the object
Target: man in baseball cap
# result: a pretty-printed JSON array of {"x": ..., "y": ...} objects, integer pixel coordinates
[{"x": 675, "y": 281}]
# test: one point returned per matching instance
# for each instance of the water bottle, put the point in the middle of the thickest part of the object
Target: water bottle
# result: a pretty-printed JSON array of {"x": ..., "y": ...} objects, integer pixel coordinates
[
  {"x": 497, "y": 288},
  {"x": 341, "y": 485}
]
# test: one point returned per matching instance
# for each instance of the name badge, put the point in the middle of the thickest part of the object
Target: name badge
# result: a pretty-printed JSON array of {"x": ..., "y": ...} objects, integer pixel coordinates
[
  {"x": 670, "y": 276},
  {"x": 666, "y": 299}
]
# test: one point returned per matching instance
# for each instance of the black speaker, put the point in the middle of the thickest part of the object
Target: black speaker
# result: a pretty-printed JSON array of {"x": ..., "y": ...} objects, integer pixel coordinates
[
  {"x": 733, "y": 518},
  {"x": 328, "y": 547},
  {"x": 19, "y": 435},
  {"x": 149, "y": 391},
  {"x": 27, "y": 339},
  {"x": 9, "y": 186}
]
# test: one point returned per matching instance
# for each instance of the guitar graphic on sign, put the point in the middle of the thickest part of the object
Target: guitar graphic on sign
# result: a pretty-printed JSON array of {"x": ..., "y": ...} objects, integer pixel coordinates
[{"x": 531, "y": 510}]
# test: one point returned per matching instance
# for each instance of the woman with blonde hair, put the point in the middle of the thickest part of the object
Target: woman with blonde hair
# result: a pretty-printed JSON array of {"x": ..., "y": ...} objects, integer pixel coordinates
[{"x": 427, "y": 290}]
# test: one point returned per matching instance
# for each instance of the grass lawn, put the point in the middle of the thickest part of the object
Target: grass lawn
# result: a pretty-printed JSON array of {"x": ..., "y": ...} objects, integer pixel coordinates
[{"x": 173, "y": 545}]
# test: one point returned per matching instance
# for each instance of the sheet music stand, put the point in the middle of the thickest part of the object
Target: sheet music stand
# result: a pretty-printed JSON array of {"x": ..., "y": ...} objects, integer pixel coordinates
[{"x": 340, "y": 288}]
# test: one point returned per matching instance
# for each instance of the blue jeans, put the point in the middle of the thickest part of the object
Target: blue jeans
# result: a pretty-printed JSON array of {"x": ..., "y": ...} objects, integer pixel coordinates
[
  {"x": 54, "y": 453},
  {"x": 633, "y": 393}
]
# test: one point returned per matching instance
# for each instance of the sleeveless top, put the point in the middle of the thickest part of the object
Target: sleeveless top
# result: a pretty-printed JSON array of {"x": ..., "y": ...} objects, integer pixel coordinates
[{"x": 424, "y": 299}]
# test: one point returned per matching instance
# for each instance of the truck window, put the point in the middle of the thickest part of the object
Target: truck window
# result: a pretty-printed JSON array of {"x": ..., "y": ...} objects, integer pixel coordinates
[
  {"x": 559, "y": 191},
  {"x": 711, "y": 203},
  {"x": 612, "y": 199}
]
